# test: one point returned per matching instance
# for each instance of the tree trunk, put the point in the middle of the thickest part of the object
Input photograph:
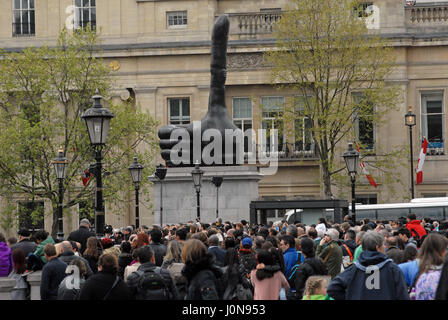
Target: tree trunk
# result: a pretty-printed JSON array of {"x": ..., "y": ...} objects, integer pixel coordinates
[{"x": 326, "y": 177}]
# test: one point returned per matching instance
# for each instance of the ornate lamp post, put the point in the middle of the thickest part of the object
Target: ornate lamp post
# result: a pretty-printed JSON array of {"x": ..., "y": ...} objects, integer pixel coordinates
[
  {"x": 160, "y": 174},
  {"x": 351, "y": 157},
  {"x": 197, "y": 180},
  {"x": 60, "y": 165},
  {"x": 98, "y": 124},
  {"x": 136, "y": 170},
  {"x": 217, "y": 181},
  {"x": 409, "y": 120}
]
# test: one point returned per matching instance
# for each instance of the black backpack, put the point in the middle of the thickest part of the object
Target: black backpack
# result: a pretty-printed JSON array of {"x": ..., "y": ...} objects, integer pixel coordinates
[
  {"x": 292, "y": 273},
  {"x": 151, "y": 285},
  {"x": 417, "y": 238}
]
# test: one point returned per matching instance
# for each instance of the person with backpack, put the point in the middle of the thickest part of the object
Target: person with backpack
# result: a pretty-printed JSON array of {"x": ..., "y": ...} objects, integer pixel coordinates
[
  {"x": 247, "y": 257},
  {"x": 348, "y": 248},
  {"x": 311, "y": 266},
  {"x": 238, "y": 286},
  {"x": 290, "y": 255},
  {"x": 418, "y": 232},
  {"x": 405, "y": 235},
  {"x": 203, "y": 276},
  {"x": 173, "y": 263},
  {"x": 151, "y": 282}
]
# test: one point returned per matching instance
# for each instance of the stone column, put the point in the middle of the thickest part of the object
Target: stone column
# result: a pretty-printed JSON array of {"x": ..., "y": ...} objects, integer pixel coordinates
[
  {"x": 6, "y": 285},
  {"x": 34, "y": 281}
]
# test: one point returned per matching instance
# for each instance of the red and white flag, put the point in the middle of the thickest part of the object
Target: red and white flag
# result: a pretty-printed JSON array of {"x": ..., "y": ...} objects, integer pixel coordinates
[
  {"x": 421, "y": 161},
  {"x": 364, "y": 169}
]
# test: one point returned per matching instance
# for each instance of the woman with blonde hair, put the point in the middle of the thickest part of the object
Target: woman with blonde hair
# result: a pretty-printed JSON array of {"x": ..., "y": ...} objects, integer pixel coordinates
[
  {"x": 316, "y": 288},
  {"x": 200, "y": 271},
  {"x": 173, "y": 263}
]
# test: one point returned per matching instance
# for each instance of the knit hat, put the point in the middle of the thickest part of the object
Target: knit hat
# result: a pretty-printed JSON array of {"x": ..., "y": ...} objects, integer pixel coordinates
[{"x": 246, "y": 243}]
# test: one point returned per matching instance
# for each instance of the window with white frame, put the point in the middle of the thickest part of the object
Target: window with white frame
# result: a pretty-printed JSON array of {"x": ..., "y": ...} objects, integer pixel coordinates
[
  {"x": 176, "y": 19},
  {"x": 23, "y": 18},
  {"x": 364, "y": 123},
  {"x": 272, "y": 118},
  {"x": 303, "y": 139},
  {"x": 179, "y": 110},
  {"x": 242, "y": 116},
  {"x": 85, "y": 14},
  {"x": 432, "y": 122}
]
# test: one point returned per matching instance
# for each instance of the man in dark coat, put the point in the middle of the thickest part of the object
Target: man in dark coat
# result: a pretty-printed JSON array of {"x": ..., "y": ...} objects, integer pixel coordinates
[
  {"x": 82, "y": 234},
  {"x": 312, "y": 266},
  {"x": 372, "y": 277},
  {"x": 213, "y": 248},
  {"x": 68, "y": 256},
  {"x": 157, "y": 247},
  {"x": 53, "y": 273},
  {"x": 105, "y": 284},
  {"x": 349, "y": 243},
  {"x": 25, "y": 243}
]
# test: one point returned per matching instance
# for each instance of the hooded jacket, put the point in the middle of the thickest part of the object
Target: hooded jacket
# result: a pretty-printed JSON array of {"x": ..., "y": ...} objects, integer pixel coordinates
[
  {"x": 372, "y": 277},
  {"x": 6, "y": 263},
  {"x": 203, "y": 278}
]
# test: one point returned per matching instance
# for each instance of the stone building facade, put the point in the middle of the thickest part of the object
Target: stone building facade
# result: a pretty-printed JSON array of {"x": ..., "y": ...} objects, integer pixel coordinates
[{"x": 160, "y": 52}]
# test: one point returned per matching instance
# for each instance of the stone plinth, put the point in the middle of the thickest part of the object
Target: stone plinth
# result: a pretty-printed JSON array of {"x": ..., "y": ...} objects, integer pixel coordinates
[
  {"x": 238, "y": 189},
  {"x": 34, "y": 279},
  {"x": 6, "y": 285}
]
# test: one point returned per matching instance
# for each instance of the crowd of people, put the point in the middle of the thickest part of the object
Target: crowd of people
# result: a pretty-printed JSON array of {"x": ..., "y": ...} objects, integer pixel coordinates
[{"x": 366, "y": 260}]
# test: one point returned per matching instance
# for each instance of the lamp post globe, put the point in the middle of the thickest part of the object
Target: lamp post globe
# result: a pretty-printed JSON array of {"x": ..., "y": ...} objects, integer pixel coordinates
[
  {"x": 60, "y": 164},
  {"x": 97, "y": 120}
]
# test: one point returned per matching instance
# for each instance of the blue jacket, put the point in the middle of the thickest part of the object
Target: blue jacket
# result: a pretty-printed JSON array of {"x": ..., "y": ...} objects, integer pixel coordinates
[
  {"x": 410, "y": 271},
  {"x": 290, "y": 257},
  {"x": 372, "y": 277}
]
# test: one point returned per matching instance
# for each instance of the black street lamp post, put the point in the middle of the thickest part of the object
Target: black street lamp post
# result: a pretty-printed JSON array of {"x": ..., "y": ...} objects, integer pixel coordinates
[
  {"x": 60, "y": 165},
  {"x": 98, "y": 124},
  {"x": 217, "y": 181},
  {"x": 409, "y": 120},
  {"x": 160, "y": 174},
  {"x": 351, "y": 157},
  {"x": 197, "y": 180},
  {"x": 136, "y": 170}
]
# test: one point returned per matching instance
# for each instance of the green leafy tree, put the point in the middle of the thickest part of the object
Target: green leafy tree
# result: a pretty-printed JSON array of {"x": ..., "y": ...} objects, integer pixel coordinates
[
  {"x": 338, "y": 70},
  {"x": 43, "y": 93}
]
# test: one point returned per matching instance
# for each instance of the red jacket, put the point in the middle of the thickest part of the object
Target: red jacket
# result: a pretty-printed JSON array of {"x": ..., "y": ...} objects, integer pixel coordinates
[{"x": 415, "y": 227}]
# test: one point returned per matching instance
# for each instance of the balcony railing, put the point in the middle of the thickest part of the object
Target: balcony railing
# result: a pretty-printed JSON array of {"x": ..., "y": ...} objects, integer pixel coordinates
[
  {"x": 427, "y": 14},
  {"x": 253, "y": 24},
  {"x": 287, "y": 151}
]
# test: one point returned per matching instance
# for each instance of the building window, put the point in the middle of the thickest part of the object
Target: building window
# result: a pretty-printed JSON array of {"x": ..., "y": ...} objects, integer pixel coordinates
[
  {"x": 432, "y": 122},
  {"x": 272, "y": 118},
  {"x": 303, "y": 139},
  {"x": 31, "y": 215},
  {"x": 364, "y": 124},
  {"x": 179, "y": 110},
  {"x": 176, "y": 19},
  {"x": 85, "y": 14},
  {"x": 366, "y": 198},
  {"x": 242, "y": 116},
  {"x": 23, "y": 18}
]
